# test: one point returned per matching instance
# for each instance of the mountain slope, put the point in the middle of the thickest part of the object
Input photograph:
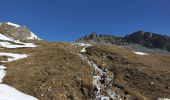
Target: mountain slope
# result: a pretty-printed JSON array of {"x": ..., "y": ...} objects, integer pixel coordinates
[
  {"x": 81, "y": 71},
  {"x": 136, "y": 77},
  {"x": 150, "y": 40},
  {"x": 146, "y": 39},
  {"x": 16, "y": 31}
]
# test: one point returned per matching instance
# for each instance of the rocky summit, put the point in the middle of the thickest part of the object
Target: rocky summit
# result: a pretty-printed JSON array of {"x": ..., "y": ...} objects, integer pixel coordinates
[
  {"x": 147, "y": 39},
  {"x": 95, "y": 67},
  {"x": 16, "y": 31}
]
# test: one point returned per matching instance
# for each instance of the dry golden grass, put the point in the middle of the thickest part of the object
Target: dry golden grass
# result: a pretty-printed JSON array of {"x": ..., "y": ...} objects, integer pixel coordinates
[
  {"x": 143, "y": 77},
  {"x": 53, "y": 71}
]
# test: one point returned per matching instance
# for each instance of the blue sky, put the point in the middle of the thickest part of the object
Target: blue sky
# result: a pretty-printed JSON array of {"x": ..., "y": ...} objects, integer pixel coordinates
[{"x": 67, "y": 20}]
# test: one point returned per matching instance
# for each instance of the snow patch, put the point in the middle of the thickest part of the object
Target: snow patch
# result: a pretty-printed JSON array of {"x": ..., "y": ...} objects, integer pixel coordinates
[
  {"x": 7, "y": 92},
  {"x": 12, "y": 56},
  {"x": 33, "y": 36},
  {"x": 9, "y": 45},
  {"x": 2, "y": 73},
  {"x": 2, "y": 67},
  {"x": 6, "y": 43},
  {"x": 10, "y": 93},
  {"x": 85, "y": 45},
  {"x": 83, "y": 50},
  {"x": 3, "y": 37},
  {"x": 163, "y": 99},
  {"x": 141, "y": 53},
  {"x": 82, "y": 44}
]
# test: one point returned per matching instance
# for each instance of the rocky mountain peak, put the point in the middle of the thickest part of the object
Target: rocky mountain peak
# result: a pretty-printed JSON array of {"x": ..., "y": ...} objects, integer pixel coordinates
[
  {"x": 93, "y": 35},
  {"x": 146, "y": 39},
  {"x": 16, "y": 31}
]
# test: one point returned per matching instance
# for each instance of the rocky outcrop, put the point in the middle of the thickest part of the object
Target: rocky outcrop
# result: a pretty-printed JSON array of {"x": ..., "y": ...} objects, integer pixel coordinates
[
  {"x": 17, "y": 32},
  {"x": 101, "y": 39},
  {"x": 149, "y": 40},
  {"x": 146, "y": 39}
]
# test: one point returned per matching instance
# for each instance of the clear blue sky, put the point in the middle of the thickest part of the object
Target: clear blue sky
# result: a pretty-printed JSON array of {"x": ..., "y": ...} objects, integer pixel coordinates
[{"x": 67, "y": 20}]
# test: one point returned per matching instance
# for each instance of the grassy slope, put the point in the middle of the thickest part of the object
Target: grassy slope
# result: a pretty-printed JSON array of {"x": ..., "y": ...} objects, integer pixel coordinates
[
  {"x": 52, "y": 72},
  {"x": 143, "y": 77}
]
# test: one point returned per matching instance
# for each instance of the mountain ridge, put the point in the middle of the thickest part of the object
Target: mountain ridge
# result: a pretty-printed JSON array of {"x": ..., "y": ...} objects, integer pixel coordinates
[
  {"x": 17, "y": 32},
  {"x": 146, "y": 39}
]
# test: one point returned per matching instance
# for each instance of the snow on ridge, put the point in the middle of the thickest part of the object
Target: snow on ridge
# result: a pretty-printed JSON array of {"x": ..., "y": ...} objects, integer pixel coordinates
[
  {"x": 10, "y": 93},
  {"x": 12, "y": 24},
  {"x": 141, "y": 53},
  {"x": 10, "y": 45},
  {"x": 33, "y": 36},
  {"x": 3, "y": 37}
]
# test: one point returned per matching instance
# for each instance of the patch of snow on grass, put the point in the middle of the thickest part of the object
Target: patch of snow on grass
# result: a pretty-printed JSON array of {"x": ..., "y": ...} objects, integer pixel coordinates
[
  {"x": 9, "y": 45},
  {"x": 82, "y": 44},
  {"x": 141, "y": 53},
  {"x": 12, "y": 56},
  {"x": 10, "y": 93},
  {"x": 2, "y": 67},
  {"x": 83, "y": 50},
  {"x": 2, "y": 73},
  {"x": 29, "y": 45}
]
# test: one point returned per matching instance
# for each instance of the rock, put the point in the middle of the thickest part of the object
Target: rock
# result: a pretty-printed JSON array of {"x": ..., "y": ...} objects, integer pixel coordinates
[
  {"x": 151, "y": 83},
  {"x": 112, "y": 57},
  {"x": 17, "y": 32}
]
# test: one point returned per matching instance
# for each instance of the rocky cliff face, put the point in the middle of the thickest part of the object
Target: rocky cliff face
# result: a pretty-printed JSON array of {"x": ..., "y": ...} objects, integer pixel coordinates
[
  {"x": 16, "y": 31},
  {"x": 146, "y": 39},
  {"x": 102, "y": 39},
  {"x": 150, "y": 40}
]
